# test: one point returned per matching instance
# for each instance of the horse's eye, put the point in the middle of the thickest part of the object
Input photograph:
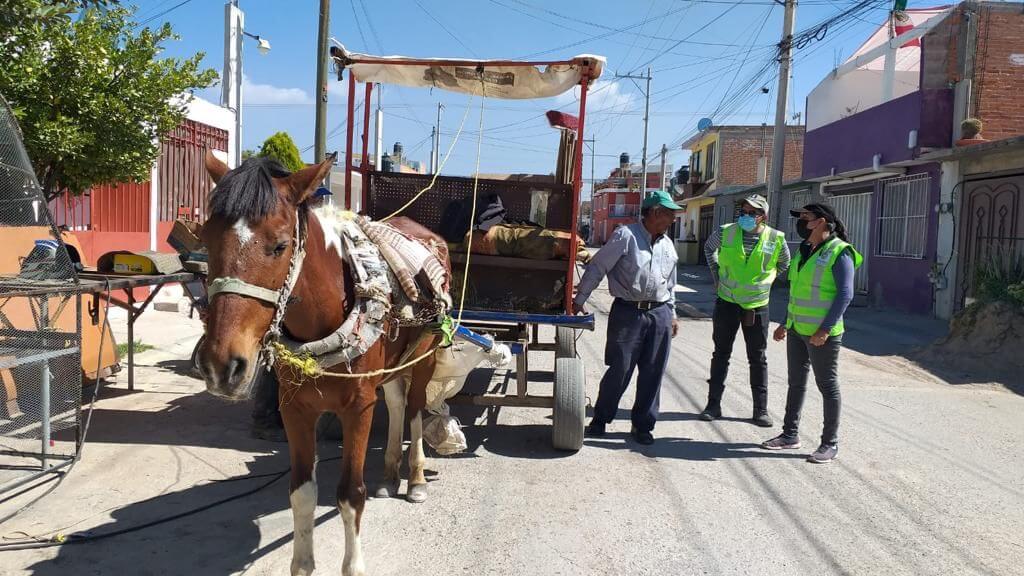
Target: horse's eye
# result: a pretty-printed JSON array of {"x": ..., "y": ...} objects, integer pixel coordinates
[{"x": 280, "y": 248}]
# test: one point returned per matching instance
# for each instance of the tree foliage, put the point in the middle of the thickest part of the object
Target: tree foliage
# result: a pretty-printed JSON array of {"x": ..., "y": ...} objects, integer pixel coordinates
[
  {"x": 282, "y": 148},
  {"x": 91, "y": 94}
]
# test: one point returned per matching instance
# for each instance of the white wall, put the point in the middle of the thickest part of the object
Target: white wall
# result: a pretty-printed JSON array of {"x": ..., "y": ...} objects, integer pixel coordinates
[{"x": 835, "y": 98}]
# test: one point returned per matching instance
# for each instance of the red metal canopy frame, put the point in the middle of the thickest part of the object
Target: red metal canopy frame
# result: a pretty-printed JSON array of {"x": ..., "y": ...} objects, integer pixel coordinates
[{"x": 343, "y": 60}]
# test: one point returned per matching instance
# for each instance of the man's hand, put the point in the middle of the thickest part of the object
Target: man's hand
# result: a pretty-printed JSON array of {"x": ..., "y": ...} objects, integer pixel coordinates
[
  {"x": 819, "y": 338},
  {"x": 780, "y": 333},
  {"x": 675, "y": 327},
  {"x": 575, "y": 309}
]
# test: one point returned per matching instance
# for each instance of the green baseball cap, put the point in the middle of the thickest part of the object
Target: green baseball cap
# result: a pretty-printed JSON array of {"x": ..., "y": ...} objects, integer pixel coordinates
[{"x": 663, "y": 199}]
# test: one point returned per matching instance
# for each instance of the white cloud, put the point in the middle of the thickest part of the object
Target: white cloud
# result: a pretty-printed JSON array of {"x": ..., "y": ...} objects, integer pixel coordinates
[
  {"x": 602, "y": 95},
  {"x": 269, "y": 94}
]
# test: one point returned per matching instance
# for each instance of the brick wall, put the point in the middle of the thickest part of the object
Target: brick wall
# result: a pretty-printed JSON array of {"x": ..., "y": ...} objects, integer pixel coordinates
[
  {"x": 999, "y": 71},
  {"x": 742, "y": 148}
]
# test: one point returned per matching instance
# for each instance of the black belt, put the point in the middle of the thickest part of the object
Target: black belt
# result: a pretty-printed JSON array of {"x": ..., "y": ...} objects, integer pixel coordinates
[{"x": 642, "y": 304}]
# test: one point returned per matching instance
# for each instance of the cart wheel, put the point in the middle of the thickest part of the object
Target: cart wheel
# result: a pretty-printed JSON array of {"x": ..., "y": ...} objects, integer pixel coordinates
[
  {"x": 196, "y": 370},
  {"x": 565, "y": 341},
  {"x": 570, "y": 404}
]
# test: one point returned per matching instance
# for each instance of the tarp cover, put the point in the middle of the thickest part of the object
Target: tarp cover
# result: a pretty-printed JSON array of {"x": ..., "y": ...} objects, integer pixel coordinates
[{"x": 508, "y": 82}]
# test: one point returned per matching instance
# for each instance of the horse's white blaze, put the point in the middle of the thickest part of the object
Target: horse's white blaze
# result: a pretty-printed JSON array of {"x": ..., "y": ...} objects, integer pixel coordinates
[
  {"x": 303, "y": 501},
  {"x": 353, "y": 564},
  {"x": 243, "y": 231}
]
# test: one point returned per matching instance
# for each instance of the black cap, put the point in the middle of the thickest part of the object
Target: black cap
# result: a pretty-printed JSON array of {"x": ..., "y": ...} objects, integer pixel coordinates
[{"x": 818, "y": 209}]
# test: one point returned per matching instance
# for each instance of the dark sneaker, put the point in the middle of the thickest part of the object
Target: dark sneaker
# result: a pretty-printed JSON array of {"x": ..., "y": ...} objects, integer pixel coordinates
[
  {"x": 824, "y": 454},
  {"x": 642, "y": 437},
  {"x": 781, "y": 442},
  {"x": 763, "y": 420},
  {"x": 710, "y": 413},
  {"x": 596, "y": 429}
]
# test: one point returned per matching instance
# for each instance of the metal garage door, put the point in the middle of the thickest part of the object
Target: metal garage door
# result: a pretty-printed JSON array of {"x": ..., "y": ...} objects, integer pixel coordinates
[{"x": 855, "y": 211}]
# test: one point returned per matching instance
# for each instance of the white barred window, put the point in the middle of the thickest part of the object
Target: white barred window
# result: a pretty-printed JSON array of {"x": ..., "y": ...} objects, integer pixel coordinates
[{"x": 903, "y": 216}]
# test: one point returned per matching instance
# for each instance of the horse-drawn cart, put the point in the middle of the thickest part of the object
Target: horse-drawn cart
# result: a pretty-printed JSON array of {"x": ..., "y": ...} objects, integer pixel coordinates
[{"x": 504, "y": 293}]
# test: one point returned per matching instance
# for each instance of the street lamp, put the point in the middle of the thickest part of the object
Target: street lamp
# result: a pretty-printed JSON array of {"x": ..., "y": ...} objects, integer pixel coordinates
[{"x": 231, "y": 87}]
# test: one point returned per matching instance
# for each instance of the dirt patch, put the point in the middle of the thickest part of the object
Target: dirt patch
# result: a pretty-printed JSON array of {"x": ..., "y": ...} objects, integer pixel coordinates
[{"x": 985, "y": 343}]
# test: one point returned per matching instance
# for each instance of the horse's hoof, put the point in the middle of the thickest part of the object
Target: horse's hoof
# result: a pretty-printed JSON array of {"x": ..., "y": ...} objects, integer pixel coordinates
[
  {"x": 387, "y": 490},
  {"x": 417, "y": 493}
]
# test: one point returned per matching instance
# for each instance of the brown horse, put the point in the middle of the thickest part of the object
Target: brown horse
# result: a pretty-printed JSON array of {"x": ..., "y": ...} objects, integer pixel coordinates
[{"x": 258, "y": 213}]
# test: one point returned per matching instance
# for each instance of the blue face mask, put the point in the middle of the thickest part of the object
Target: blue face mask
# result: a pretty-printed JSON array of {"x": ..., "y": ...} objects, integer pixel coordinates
[{"x": 747, "y": 223}]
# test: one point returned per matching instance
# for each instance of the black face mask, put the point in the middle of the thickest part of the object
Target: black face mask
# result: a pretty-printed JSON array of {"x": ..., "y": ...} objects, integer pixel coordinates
[{"x": 802, "y": 230}]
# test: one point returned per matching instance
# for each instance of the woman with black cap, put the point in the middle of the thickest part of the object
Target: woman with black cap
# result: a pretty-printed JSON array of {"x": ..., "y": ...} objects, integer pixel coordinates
[{"x": 820, "y": 289}]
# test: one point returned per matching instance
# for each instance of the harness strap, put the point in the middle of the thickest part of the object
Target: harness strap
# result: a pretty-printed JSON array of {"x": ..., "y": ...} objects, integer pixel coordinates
[{"x": 232, "y": 285}]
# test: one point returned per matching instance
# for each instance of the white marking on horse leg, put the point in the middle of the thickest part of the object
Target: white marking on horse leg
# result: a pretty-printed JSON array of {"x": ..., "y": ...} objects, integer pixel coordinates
[
  {"x": 417, "y": 491},
  {"x": 353, "y": 564},
  {"x": 243, "y": 231},
  {"x": 394, "y": 397},
  {"x": 303, "y": 501}
]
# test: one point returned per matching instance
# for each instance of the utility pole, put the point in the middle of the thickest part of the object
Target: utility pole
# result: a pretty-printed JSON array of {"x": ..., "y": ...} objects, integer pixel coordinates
[
  {"x": 378, "y": 154},
  {"x": 661, "y": 181},
  {"x": 647, "y": 116},
  {"x": 779, "y": 141},
  {"x": 435, "y": 143},
  {"x": 320, "y": 143}
]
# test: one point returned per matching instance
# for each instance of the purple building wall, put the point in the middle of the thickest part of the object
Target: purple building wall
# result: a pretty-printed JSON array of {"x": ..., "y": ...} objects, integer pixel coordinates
[{"x": 902, "y": 283}]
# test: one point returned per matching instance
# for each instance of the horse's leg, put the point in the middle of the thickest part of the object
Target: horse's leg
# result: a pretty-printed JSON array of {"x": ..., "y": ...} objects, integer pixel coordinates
[
  {"x": 300, "y": 426},
  {"x": 356, "y": 422},
  {"x": 416, "y": 400},
  {"x": 394, "y": 397}
]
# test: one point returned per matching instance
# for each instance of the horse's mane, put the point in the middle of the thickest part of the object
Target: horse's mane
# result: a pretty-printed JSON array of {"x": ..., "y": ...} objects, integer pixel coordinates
[{"x": 248, "y": 191}]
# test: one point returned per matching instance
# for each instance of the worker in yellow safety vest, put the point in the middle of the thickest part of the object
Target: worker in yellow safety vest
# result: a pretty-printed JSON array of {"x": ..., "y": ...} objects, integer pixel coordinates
[
  {"x": 820, "y": 289},
  {"x": 745, "y": 257}
]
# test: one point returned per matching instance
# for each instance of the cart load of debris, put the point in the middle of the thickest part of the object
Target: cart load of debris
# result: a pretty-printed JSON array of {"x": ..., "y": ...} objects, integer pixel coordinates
[{"x": 985, "y": 339}]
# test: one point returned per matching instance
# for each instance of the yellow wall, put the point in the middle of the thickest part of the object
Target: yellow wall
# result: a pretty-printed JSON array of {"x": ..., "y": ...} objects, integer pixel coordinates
[{"x": 701, "y": 148}]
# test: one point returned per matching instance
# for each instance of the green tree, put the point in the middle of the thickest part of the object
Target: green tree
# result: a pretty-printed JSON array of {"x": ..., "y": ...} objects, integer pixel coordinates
[
  {"x": 248, "y": 153},
  {"x": 282, "y": 148},
  {"x": 90, "y": 93}
]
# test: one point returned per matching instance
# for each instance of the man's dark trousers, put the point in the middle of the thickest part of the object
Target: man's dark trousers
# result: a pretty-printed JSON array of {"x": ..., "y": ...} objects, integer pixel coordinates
[
  {"x": 727, "y": 320},
  {"x": 636, "y": 339}
]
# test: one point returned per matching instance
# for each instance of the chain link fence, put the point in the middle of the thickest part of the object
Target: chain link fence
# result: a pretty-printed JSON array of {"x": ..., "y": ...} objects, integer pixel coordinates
[{"x": 40, "y": 325}]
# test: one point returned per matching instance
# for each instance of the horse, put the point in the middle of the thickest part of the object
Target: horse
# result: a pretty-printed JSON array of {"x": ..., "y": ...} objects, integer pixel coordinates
[{"x": 259, "y": 212}]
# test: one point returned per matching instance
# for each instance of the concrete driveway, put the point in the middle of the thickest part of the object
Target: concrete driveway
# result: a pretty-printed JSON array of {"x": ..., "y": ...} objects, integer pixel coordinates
[{"x": 930, "y": 479}]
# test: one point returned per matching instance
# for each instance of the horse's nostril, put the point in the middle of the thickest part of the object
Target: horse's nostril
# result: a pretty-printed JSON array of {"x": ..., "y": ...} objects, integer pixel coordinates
[{"x": 237, "y": 368}]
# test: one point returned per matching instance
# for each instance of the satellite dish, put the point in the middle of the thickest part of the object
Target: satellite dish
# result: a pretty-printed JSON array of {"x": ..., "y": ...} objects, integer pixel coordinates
[{"x": 703, "y": 124}]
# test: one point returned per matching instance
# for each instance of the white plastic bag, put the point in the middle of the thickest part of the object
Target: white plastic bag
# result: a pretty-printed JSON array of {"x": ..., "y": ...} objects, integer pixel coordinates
[{"x": 444, "y": 433}]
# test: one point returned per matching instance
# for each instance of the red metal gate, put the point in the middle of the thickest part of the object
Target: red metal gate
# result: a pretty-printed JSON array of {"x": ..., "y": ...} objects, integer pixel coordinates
[{"x": 184, "y": 184}]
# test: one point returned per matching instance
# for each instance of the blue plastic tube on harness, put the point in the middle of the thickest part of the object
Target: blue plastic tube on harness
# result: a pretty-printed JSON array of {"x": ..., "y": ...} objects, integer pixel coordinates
[{"x": 478, "y": 339}]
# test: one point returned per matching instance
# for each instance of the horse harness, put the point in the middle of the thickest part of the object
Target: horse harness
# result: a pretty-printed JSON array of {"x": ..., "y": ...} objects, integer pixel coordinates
[{"x": 384, "y": 264}]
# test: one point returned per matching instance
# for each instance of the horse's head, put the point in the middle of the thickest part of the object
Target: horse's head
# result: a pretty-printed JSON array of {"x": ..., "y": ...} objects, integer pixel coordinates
[{"x": 250, "y": 236}]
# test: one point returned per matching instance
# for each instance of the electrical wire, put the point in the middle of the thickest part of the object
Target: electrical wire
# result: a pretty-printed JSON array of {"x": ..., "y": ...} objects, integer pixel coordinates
[
  {"x": 445, "y": 28},
  {"x": 162, "y": 14}
]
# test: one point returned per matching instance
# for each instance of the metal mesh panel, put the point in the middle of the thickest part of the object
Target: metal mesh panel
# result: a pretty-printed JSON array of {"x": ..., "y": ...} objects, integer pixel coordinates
[
  {"x": 389, "y": 191},
  {"x": 40, "y": 323}
]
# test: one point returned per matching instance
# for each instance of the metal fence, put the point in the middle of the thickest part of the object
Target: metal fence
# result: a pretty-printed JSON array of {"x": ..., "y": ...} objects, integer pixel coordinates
[
  {"x": 183, "y": 182},
  {"x": 122, "y": 207},
  {"x": 40, "y": 325}
]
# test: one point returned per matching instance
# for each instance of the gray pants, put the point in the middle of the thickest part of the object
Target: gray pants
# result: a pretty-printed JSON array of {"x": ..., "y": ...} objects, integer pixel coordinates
[{"x": 824, "y": 360}]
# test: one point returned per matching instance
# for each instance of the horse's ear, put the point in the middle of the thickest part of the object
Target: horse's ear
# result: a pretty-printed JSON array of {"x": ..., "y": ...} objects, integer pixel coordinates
[
  {"x": 215, "y": 167},
  {"x": 304, "y": 182}
]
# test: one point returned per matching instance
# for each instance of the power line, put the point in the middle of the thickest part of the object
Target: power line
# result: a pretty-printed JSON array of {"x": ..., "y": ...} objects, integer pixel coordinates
[
  {"x": 162, "y": 14},
  {"x": 691, "y": 35},
  {"x": 445, "y": 28}
]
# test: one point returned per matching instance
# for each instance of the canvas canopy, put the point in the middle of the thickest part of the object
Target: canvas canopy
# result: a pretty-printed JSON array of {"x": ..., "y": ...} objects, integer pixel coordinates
[{"x": 493, "y": 78}]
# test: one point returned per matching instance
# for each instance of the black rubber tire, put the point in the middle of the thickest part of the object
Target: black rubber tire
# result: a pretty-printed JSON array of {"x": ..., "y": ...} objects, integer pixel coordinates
[
  {"x": 568, "y": 417},
  {"x": 196, "y": 370},
  {"x": 565, "y": 340}
]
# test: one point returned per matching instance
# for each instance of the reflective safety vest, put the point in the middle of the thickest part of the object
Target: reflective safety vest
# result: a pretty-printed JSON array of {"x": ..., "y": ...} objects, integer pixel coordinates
[
  {"x": 746, "y": 279},
  {"x": 813, "y": 289}
]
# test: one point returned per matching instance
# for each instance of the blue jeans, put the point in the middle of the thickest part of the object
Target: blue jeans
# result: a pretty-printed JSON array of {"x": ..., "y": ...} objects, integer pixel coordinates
[{"x": 636, "y": 339}]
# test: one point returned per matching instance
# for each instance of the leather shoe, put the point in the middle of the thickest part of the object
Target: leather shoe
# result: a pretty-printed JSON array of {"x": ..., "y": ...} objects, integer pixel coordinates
[
  {"x": 710, "y": 414},
  {"x": 642, "y": 437},
  {"x": 596, "y": 429}
]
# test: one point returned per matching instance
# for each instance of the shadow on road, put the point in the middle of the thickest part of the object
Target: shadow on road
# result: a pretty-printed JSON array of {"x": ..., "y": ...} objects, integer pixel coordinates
[{"x": 687, "y": 449}]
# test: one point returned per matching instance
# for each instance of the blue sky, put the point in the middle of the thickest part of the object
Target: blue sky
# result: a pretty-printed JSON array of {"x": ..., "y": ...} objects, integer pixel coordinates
[{"x": 728, "y": 42}]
